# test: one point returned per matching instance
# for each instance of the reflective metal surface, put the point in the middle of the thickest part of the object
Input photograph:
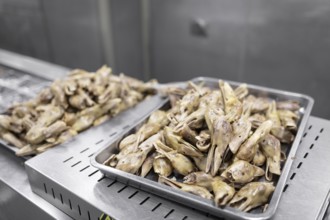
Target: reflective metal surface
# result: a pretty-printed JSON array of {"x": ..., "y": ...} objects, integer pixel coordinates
[
  {"x": 288, "y": 45},
  {"x": 65, "y": 178},
  {"x": 78, "y": 33},
  {"x": 127, "y": 37},
  {"x": 73, "y": 29},
  {"x": 22, "y": 28},
  {"x": 31, "y": 65},
  {"x": 276, "y": 43},
  {"x": 307, "y": 189},
  {"x": 178, "y": 54},
  {"x": 65, "y": 172},
  {"x": 17, "y": 201}
]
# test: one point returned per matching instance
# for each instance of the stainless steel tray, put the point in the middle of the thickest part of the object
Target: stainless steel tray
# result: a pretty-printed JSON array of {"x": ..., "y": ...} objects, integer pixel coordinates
[
  {"x": 20, "y": 86},
  {"x": 150, "y": 185},
  {"x": 17, "y": 86}
]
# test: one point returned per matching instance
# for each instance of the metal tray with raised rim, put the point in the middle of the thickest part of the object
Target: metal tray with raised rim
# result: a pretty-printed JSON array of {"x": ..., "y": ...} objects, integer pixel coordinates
[
  {"x": 17, "y": 86},
  {"x": 26, "y": 86},
  {"x": 152, "y": 186}
]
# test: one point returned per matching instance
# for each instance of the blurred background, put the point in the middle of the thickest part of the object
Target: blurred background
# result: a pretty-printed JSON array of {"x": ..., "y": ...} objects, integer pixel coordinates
[{"x": 283, "y": 44}]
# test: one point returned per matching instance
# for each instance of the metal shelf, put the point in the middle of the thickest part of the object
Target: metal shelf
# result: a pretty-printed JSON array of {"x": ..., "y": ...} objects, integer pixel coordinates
[{"x": 63, "y": 176}]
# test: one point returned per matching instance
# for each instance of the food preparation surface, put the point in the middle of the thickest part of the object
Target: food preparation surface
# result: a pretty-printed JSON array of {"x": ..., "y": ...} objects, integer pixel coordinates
[
  {"x": 17, "y": 199},
  {"x": 64, "y": 177}
]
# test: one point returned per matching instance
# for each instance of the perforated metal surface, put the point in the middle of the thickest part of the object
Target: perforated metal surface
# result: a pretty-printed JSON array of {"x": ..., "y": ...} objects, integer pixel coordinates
[
  {"x": 306, "y": 192},
  {"x": 64, "y": 177}
]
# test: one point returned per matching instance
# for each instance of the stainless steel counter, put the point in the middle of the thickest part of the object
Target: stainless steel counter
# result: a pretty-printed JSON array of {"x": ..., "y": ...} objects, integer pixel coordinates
[
  {"x": 67, "y": 183},
  {"x": 17, "y": 200},
  {"x": 304, "y": 195},
  {"x": 63, "y": 176}
]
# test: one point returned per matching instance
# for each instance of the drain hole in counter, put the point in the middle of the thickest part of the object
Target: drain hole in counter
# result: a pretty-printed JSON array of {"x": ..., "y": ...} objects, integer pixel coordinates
[
  {"x": 285, "y": 187},
  {"x": 84, "y": 168},
  {"x": 146, "y": 199},
  {"x": 102, "y": 178},
  {"x": 125, "y": 127},
  {"x": 168, "y": 214},
  {"x": 99, "y": 142},
  {"x": 112, "y": 183},
  {"x": 156, "y": 207},
  {"x": 122, "y": 189},
  {"x": 67, "y": 159},
  {"x": 84, "y": 150},
  {"x": 93, "y": 173},
  {"x": 131, "y": 196},
  {"x": 76, "y": 164},
  {"x": 45, "y": 188},
  {"x": 53, "y": 193},
  {"x": 112, "y": 134},
  {"x": 70, "y": 204}
]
